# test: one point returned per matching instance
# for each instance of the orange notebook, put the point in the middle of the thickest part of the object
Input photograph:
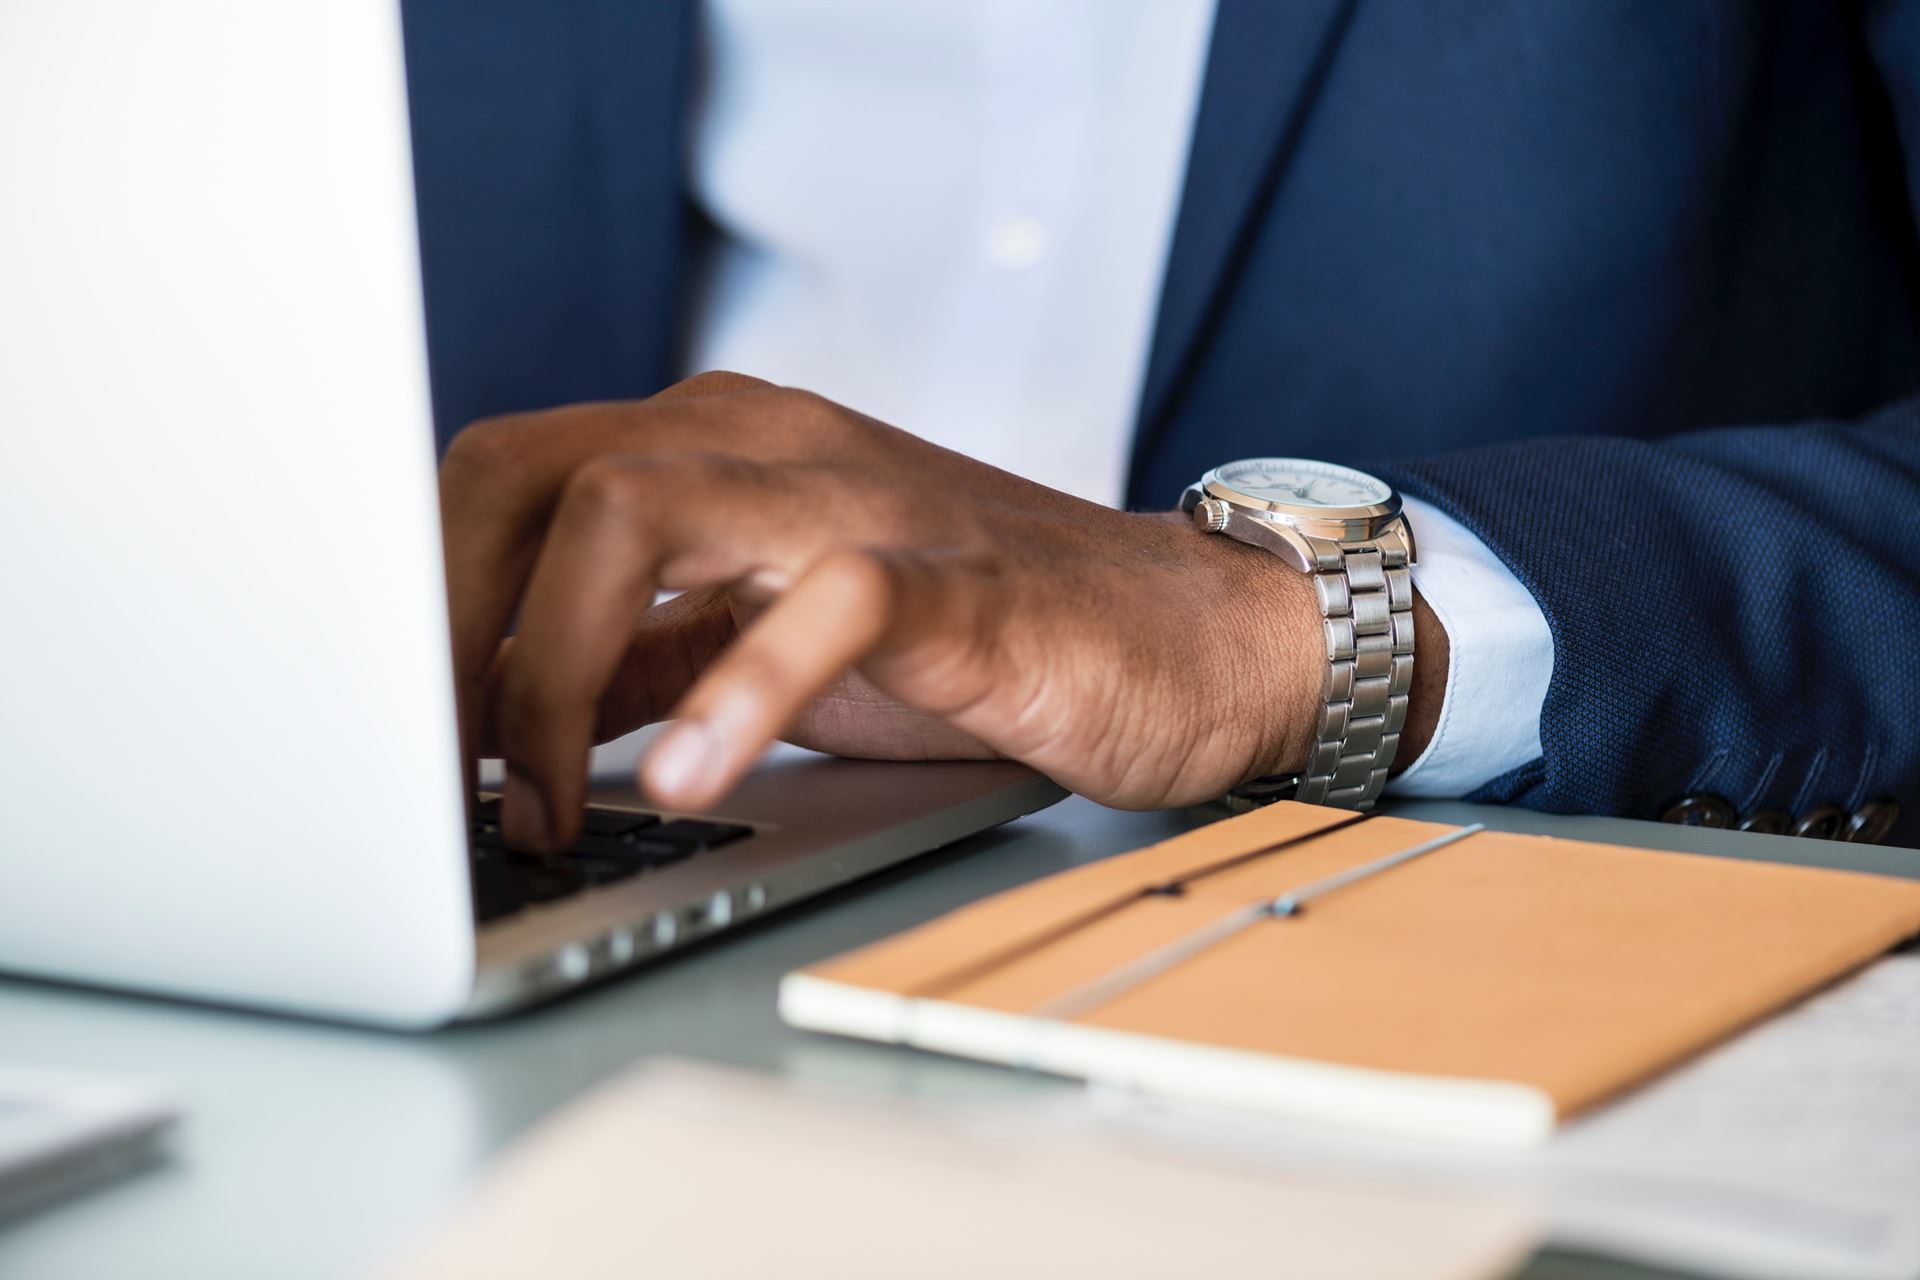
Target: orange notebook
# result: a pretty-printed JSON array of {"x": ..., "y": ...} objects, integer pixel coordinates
[{"x": 1461, "y": 984}]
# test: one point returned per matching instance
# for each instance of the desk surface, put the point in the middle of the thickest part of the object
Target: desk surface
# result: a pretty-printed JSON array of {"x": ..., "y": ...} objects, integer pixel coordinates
[{"x": 312, "y": 1151}]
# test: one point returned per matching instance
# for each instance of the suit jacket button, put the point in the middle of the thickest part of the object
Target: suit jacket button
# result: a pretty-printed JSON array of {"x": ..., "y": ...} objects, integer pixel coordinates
[
  {"x": 1822, "y": 823},
  {"x": 1871, "y": 822},
  {"x": 1699, "y": 811},
  {"x": 1768, "y": 822}
]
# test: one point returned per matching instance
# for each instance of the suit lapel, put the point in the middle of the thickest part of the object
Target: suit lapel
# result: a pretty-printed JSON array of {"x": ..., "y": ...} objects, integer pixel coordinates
[{"x": 1264, "y": 69}]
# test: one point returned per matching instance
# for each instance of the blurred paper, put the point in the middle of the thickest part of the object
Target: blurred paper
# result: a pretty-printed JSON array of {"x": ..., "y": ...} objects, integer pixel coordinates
[
  {"x": 692, "y": 1171},
  {"x": 1792, "y": 1151}
]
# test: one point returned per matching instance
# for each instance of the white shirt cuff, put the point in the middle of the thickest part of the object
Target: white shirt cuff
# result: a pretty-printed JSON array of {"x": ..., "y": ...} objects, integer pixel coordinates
[{"x": 1501, "y": 660}]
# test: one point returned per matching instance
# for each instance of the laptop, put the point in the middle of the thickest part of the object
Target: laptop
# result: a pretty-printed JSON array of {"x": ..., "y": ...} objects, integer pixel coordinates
[{"x": 228, "y": 760}]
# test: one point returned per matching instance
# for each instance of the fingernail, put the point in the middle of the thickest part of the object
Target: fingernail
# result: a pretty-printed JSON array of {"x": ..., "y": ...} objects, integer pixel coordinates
[
  {"x": 523, "y": 818},
  {"x": 683, "y": 758}
]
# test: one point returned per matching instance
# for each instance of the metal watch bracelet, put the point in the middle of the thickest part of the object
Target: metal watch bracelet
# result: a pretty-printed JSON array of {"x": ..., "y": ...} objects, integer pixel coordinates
[{"x": 1366, "y": 598}]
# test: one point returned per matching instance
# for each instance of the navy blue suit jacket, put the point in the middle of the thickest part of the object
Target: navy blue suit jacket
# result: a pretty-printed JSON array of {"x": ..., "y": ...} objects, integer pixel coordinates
[{"x": 1605, "y": 279}]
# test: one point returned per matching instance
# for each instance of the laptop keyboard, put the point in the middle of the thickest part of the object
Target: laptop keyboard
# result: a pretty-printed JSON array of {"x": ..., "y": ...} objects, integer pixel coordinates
[{"x": 614, "y": 845}]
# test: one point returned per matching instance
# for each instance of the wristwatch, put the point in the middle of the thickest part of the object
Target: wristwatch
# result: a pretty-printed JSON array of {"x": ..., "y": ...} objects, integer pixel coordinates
[{"x": 1345, "y": 528}]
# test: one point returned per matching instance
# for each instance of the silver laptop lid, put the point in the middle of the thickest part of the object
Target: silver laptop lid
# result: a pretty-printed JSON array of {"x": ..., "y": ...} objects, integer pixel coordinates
[{"x": 227, "y": 752}]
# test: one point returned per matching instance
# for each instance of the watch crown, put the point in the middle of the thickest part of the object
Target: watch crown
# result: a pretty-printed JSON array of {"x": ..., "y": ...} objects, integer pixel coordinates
[{"x": 1211, "y": 515}]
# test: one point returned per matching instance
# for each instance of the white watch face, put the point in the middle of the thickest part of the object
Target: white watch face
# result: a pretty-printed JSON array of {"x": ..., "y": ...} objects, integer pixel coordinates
[{"x": 1301, "y": 482}]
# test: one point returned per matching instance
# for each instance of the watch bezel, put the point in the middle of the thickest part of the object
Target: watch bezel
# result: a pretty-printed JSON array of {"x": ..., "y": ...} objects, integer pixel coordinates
[{"x": 1340, "y": 524}]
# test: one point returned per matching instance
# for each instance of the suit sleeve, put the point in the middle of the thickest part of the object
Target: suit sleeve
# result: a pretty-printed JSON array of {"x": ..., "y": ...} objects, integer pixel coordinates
[{"x": 1735, "y": 612}]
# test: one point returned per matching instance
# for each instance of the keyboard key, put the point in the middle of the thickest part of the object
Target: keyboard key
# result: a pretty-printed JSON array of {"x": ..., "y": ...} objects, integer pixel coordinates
[
  {"x": 496, "y": 892},
  {"x": 574, "y": 864},
  {"x": 706, "y": 835},
  {"x": 615, "y": 822},
  {"x": 493, "y": 897},
  {"x": 593, "y": 821},
  {"x": 635, "y": 850},
  {"x": 546, "y": 883},
  {"x": 672, "y": 841},
  {"x": 595, "y": 871},
  {"x": 603, "y": 872},
  {"x": 616, "y": 846},
  {"x": 504, "y": 882}
]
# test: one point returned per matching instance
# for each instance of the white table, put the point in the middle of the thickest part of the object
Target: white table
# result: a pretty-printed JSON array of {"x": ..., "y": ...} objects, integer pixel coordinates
[{"x": 312, "y": 1150}]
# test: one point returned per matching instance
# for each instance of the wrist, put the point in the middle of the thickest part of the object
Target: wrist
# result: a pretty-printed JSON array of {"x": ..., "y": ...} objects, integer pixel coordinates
[
  {"x": 1279, "y": 660},
  {"x": 1280, "y": 672},
  {"x": 1348, "y": 702}
]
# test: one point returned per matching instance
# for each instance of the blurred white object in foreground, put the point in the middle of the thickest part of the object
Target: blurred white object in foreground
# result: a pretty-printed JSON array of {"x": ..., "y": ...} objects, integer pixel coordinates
[{"x": 687, "y": 1170}]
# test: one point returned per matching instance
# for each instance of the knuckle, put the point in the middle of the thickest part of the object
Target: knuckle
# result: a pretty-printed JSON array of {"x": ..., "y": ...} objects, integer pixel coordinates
[
  {"x": 897, "y": 514},
  {"x": 488, "y": 438},
  {"x": 812, "y": 413},
  {"x": 484, "y": 450},
  {"x": 715, "y": 382},
  {"x": 642, "y": 489},
  {"x": 611, "y": 486}
]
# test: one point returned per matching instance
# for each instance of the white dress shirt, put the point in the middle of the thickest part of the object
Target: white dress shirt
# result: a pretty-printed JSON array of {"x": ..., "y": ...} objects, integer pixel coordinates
[{"x": 953, "y": 215}]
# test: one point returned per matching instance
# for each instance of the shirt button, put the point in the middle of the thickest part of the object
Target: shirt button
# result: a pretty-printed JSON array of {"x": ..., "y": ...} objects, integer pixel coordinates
[
  {"x": 1767, "y": 822},
  {"x": 1017, "y": 243},
  {"x": 1871, "y": 823},
  {"x": 1699, "y": 811},
  {"x": 1822, "y": 823}
]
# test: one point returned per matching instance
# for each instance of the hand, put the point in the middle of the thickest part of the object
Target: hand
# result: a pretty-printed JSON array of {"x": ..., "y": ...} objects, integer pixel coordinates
[{"x": 851, "y": 588}]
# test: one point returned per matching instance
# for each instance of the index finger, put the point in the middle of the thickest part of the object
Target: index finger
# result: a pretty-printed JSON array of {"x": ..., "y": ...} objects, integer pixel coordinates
[
  {"x": 624, "y": 522},
  {"x": 500, "y": 482}
]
